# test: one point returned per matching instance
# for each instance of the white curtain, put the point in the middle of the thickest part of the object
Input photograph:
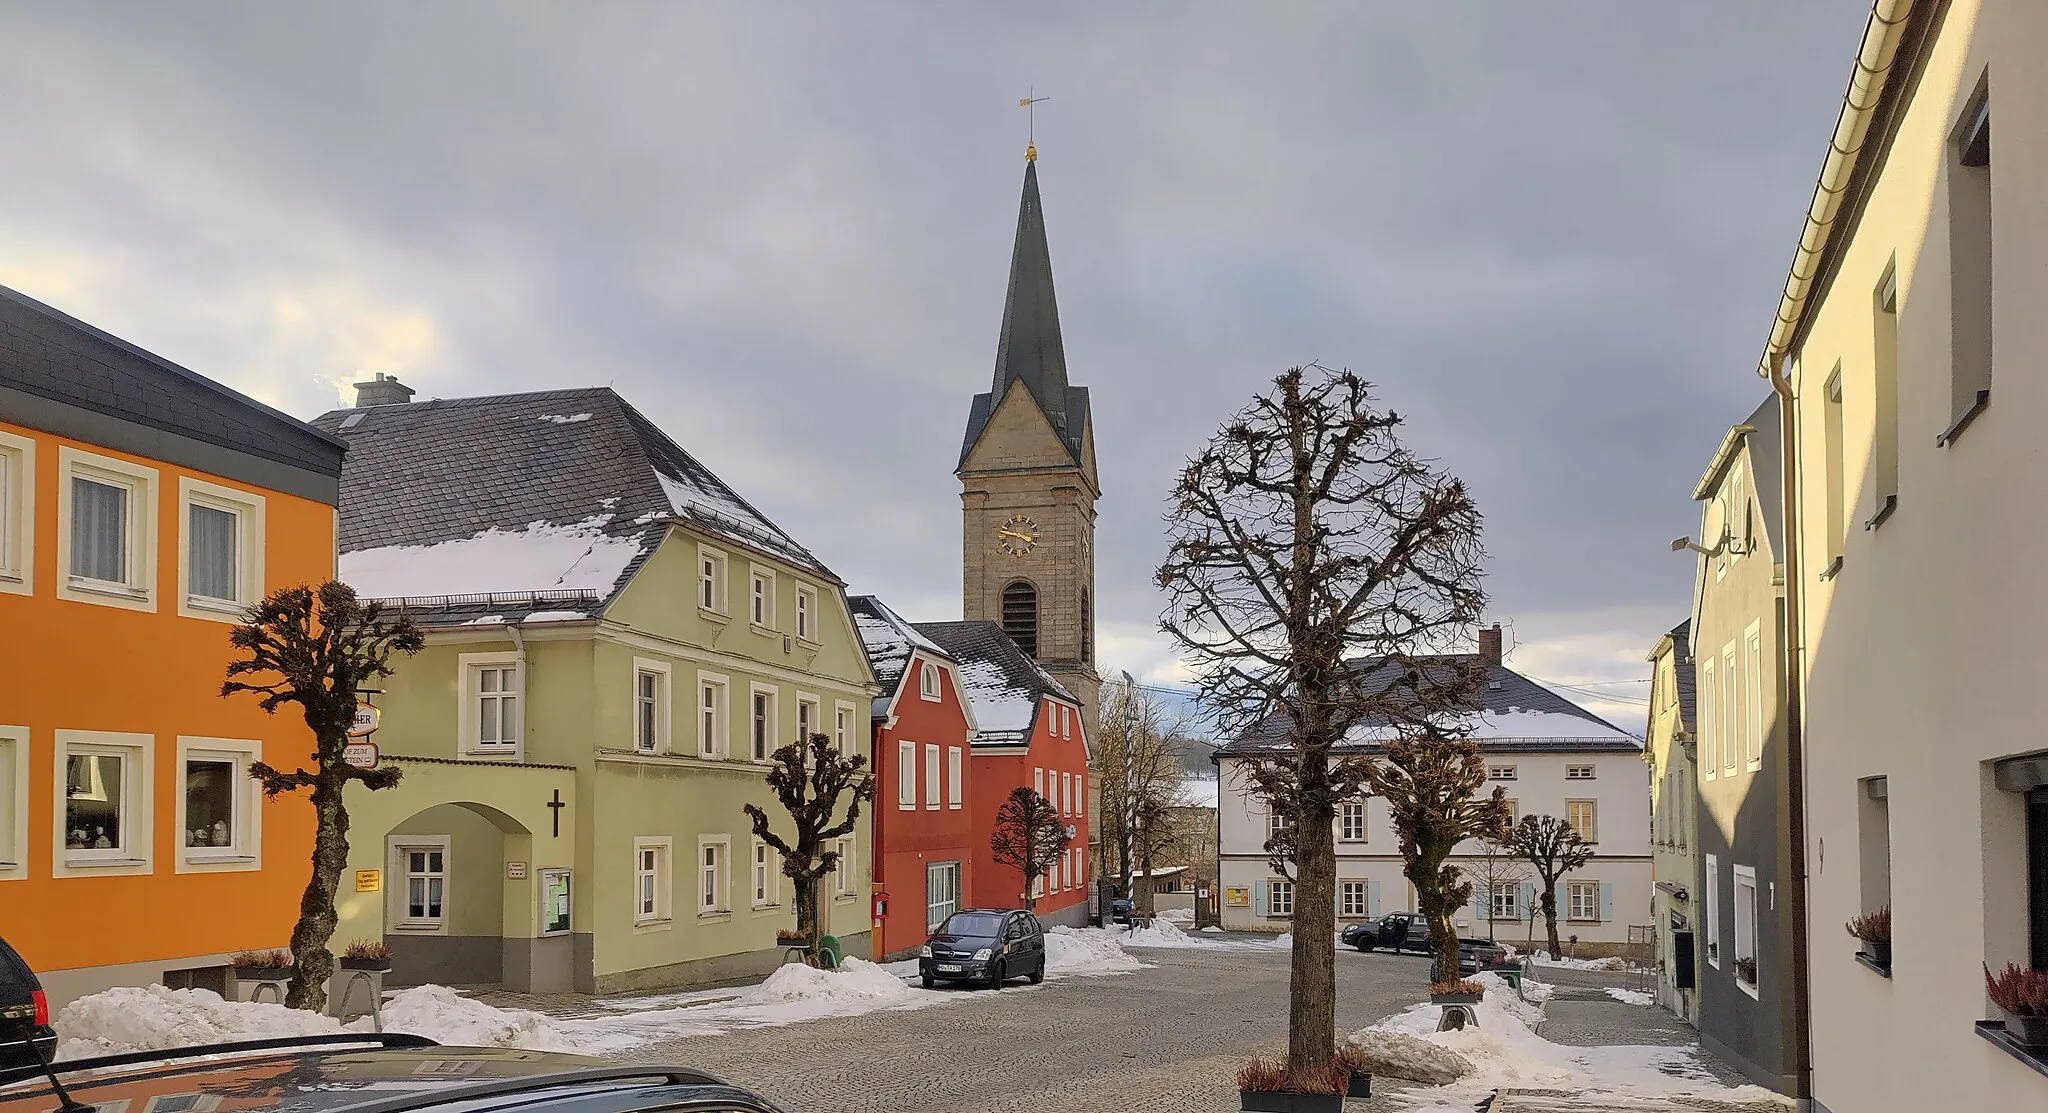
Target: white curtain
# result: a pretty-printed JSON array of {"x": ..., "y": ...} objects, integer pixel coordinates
[
  {"x": 99, "y": 531},
  {"x": 211, "y": 553}
]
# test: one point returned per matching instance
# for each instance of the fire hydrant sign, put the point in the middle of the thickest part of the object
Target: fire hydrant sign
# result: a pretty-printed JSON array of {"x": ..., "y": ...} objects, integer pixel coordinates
[
  {"x": 362, "y": 755},
  {"x": 365, "y": 721}
]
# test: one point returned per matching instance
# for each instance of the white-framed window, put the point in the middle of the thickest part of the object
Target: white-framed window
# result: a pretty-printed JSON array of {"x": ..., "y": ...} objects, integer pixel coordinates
[
  {"x": 846, "y": 875},
  {"x": 955, "y": 768},
  {"x": 1514, "y": 810},
  {"x": 422, "y": 894},
  {"x": 1066, "y": 721},
  {"x": 1066, "y": 794},
  {"x": 1584, "y": 817},
  {"x": 711, "y": 579},
  {"x": 1351, "y": 822},
  {"x": 1055, "y": 877},
  {"x": 761, "y": 597},
  {"x": 764, "y": 875},
  {"x": 1351, "y": 898},
  {"x": 842, "y": 727},
  {"x": 1731, "y": 711},
  {"x": 1713, "y": 912},
  {"x": 106, "y": 530},
  {"x": 806, "y": 613},
  {"x": 1500, "y": 773},
  {"x": 807, "y": 719},
  {"x": 1038, "y": 781},
  {"x": 103, "y": 802},
  {"x": 1582, "y": 900},
  {"x": 219, "y": 807},
  {"x": 1277, "y": 821},
  {"x": 711, "y": 859},
  {"x": 1709, "y": 724},
  {"x": 713, "y": 710},
  {"x": 491, "y": 717},
  {"x": 761, "y": 728},
  {"x": 933, "y": 791},
  {"x": 653, "y": 880},
  {"x": 1578, "y": 772},
  {"x": 13, "y": 802},
  {"x": 1753, "y": 724},
  {"x": 1280, "y": 897},
  {"x": 1506, "y": 901},
  {"x": 928, "y": 681},
  {"x": 906, "y": 774},
  {"x": 17, "y": 514},
  {"x": 220, "y": 550},
  {"x": 650, "y": 706},
  {"x": 1745, "y": 927},
  {"x": 941, "y": 892}
]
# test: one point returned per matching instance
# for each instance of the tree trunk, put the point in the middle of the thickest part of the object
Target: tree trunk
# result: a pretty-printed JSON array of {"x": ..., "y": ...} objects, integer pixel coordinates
[
  {"x": 1145, "y": 903},
  {"x": 312, "y": 963},
  {"x": 1550, "y": 918},
  {"x": 807, "y": 913},
  {"x": 1312, "y": 981},
  {"x": 1443, "y": 938}
]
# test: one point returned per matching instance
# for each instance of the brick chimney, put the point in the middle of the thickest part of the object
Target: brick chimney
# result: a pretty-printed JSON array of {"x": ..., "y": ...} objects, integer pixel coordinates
[
  {"x": 1489, "y": 643},
  {"x": 382, "y": 391}
]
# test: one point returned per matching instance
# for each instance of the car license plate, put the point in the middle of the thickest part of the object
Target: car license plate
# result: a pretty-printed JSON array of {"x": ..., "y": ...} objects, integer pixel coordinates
[{"x": 949, "y": 968}]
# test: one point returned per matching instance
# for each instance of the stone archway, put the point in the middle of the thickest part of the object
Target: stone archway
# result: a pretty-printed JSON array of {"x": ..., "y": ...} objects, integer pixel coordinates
[{"x": 448, "y": 900}]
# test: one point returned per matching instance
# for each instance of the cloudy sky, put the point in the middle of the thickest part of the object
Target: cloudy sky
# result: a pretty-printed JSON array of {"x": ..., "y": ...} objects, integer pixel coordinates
[{"x": 1552, "y": 233}]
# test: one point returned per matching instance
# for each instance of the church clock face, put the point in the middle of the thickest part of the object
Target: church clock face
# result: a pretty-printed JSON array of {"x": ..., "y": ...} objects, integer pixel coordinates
[{"x": 1017, "y": 536}]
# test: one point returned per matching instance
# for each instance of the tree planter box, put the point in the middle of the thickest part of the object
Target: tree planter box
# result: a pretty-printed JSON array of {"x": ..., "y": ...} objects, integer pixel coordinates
[
  {"x": 1360, "y": 1086},
  {"x": 376, "y": 965},
  {"x": 794, "y": 943},
  {"x": 356, "y": 987},
  {"x": 1456, "y": 998},
  {"x": 251, "y": 979},
  {"x": 1287, "y": 1101}
]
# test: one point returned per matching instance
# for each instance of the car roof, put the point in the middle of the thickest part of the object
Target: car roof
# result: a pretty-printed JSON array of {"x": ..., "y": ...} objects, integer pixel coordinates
[{"x": 375, "y": 1075}]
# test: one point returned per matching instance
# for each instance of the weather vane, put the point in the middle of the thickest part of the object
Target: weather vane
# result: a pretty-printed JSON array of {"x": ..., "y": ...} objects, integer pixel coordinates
[{"x": 1026, "y": 103}]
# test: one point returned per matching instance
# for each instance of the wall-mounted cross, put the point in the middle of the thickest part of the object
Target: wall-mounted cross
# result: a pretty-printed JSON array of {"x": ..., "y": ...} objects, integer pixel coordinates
[{"x": 555, "y": 806}]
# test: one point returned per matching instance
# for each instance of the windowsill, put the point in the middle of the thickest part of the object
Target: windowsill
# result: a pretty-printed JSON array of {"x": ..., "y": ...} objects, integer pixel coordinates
[
  {"x": 770, "y": 631},
  {"x": 108, "y": 587},
  {"x": 1748, "y": 988},
  {"x": 928, "y": 699},
  {"x": 953, "y": 807},
  {"x": 906, "y": 807},
  {"x": 104, "y": 863},
  {"x": 642, "y": 927},
  {"x": 1871, "y": 965},
  {"x": 725, "y": 914},
  {"x": 1994, "y": 1030},
  {"x": 809, "y": 643},
  {"x": 213, "y": 859},
  {"x": 509, "y": 753},
  {"x": 710, "y": 615},
  {"x": 1884, "y": 510},
  {"x": 1833, "y": 569},
  {"x": 842, "y": 898},
  {"x": 1955, "y": 428},
  {"x": 418, "y": 929},
  {"x": 1569, "y": 920},
  {"x": 767, "y": 906}
]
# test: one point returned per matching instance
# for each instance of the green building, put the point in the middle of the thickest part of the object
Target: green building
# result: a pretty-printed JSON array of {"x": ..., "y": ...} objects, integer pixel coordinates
[{"x": 616, "y": 643}]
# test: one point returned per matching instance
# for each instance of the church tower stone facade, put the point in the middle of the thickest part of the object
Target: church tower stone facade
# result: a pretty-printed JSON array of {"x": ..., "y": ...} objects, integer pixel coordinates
[{"x": 1028, "y": 483}]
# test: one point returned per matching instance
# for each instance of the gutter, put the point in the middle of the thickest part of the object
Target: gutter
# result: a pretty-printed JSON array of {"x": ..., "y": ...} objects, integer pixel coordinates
[{"x": 1874, "y": 61}]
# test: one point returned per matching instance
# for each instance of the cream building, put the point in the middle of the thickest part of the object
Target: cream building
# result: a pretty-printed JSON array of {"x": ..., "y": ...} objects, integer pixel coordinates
[
  {"x": 1669, "y": 749},
  {"x": 1907, "y": 355}
]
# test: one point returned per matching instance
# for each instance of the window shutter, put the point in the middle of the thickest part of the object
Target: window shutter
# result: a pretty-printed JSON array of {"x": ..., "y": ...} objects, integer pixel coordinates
[
  {"x": 1528, "y": 903},
  {"x": 1480, "y": 909},
  {"x": 1259, "y": 899},
  {"x": 1606, "y": 902},
  {"x": 1372, "y": 898}
]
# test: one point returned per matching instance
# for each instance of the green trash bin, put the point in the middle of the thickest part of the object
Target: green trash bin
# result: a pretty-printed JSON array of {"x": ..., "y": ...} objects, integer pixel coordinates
[
  {"x": 1513, "y": 974},
  {"x": 828, "y": 952}
]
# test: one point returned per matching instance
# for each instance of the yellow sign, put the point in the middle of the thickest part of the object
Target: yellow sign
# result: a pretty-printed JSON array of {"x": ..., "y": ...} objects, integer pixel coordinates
[
  {"x": 369, "y": 881},
  {"x": 1237, "y": 897}
]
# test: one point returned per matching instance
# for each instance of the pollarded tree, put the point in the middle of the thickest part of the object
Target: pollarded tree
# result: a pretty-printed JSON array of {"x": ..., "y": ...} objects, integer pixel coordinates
[
  {"x": 317, "y": 648},
  {"x": 1432, "y": 786},
  {"x": 810, "y": 778},
  {"x": 1029, "y": 836},
  {"x": 1552, "y": 848},
  {"x": 1497, "y": 868},
  {"x": 1306, "y": 543},
  {"x": 1139, "y": 780}
]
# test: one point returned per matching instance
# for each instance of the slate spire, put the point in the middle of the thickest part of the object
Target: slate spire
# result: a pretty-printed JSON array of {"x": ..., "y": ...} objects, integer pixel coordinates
[{"x": 1030, "y": 348}]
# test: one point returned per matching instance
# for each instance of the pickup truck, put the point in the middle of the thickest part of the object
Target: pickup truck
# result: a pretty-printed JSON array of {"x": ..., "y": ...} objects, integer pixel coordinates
[{"x": 1408, "y": 931}]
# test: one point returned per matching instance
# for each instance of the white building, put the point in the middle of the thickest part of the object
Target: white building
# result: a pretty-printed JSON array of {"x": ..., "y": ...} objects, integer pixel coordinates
[{"x": 1550, "y": 755}]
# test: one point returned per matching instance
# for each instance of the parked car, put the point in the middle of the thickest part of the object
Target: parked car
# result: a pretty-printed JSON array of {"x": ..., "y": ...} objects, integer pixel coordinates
[
  {"x": 987, "y": 945},
  {"x": 1409, "y": 931},
  {"x": 24, "y": 1014},
  {"x": 390, "y": 1073},
  {"x": 1120, "y": 910}
]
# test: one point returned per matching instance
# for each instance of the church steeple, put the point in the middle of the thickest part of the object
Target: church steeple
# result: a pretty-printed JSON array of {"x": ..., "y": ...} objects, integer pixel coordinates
[{"x": 1030, "y": 348}]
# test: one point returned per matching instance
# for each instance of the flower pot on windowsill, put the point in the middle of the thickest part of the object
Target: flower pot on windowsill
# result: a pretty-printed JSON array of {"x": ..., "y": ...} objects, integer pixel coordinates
[
  {"x": 2027, "y": 1031},
  {"x": 1878, "y": 951},
  {"x": 1287, "y": 1101}
]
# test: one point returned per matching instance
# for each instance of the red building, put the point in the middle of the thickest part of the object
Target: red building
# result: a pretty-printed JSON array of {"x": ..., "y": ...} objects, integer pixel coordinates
[
  {"x": 1028, "y": 731},
  {"x": 926, "y": 837}
]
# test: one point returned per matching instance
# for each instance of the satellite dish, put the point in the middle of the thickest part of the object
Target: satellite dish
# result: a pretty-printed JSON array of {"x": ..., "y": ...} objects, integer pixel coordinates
[{"x": 1716, "y": 526}]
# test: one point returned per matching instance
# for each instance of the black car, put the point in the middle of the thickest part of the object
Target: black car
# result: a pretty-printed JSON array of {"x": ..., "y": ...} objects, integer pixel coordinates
[
  {"x": 1409, "y": 931},
  {"x": 391, "y": 1073},
  {"x": 984, "y": 945},
  {"x": 24, "y": 1014}
]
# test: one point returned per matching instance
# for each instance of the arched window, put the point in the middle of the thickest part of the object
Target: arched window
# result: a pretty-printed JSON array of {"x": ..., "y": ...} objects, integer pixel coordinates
[
  {"x": 1020, "y": 615},
  {"x": 1087, "y": 629}
]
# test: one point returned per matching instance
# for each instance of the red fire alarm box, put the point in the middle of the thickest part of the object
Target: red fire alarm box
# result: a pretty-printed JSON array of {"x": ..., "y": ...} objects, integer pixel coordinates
[{"x": 881, "y": 905}]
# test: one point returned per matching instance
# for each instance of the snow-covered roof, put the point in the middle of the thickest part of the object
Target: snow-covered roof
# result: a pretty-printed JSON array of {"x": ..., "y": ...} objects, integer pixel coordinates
[
  {"x": 1515, "y": 714},
  {"x": 1005, "y": 686},
  {"x": 890, "y": 641},
  {"x": 563, "y": 492}
]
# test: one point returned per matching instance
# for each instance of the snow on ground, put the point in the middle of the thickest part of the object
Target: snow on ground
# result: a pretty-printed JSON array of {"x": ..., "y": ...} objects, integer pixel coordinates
[
  {"x": 155, "y": 1018},
  {"x": 1542, "y": 958},
  {"x": 1071, "y": 952},
  {"x": 1505, "y": 1052},
  {"x": 1630, "y": 996}
]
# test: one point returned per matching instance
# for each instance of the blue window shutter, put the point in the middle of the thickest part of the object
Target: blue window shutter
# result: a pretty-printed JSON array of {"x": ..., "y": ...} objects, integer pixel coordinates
[
  {"x": 1606, "y": 902},
  {"x": 1528, "y": 899},
  {"x": 1259, "y": 899},
  {"x": 1372, "y": 898},
  {"x": 1479, "y": 909}
]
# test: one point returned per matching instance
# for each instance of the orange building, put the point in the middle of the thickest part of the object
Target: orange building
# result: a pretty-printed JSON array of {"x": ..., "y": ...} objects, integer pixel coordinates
[{"x": 142, "y": 508}]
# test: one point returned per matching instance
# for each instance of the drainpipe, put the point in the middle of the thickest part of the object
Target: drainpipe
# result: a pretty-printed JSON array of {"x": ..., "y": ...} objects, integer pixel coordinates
[
  {"x": 1874, "y": 61},
  {"x": 525, "y": 680}
]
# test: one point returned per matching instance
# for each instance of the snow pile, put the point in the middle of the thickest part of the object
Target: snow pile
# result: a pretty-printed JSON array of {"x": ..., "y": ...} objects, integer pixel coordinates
[
  {"x": 1543, "y": 958},
  {"x": 542, "y": 557},
  {"x": 445, "y": 1016},
  {"x": 1519, "y": 723},
  {"x": 152, "y": 1018},
  {"x": 1630, "y": 996},
  {"x": 1080, "y": 951},
  {"x": 1164, "y": 933},
  {"x": 1213, "y": 929},
  {"x": 1178, "y": 915},
  {"x": 1284, "y": 941},
  {"x": 856, "y": 980},
  {"x": 1390, "y": 1054},
  {"x": 1504, "y": 1052}
]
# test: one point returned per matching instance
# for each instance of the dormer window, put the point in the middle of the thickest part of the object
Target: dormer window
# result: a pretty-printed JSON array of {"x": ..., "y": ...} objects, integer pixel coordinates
[{"x": 928, "y": 681}]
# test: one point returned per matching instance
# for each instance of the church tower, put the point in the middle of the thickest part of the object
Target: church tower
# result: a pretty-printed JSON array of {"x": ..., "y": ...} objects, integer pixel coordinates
[{"x": 1027, "y": 479}]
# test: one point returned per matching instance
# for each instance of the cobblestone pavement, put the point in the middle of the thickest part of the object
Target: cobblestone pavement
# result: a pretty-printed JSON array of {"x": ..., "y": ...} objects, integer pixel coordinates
[{"x": 1164, "y": 1040}]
